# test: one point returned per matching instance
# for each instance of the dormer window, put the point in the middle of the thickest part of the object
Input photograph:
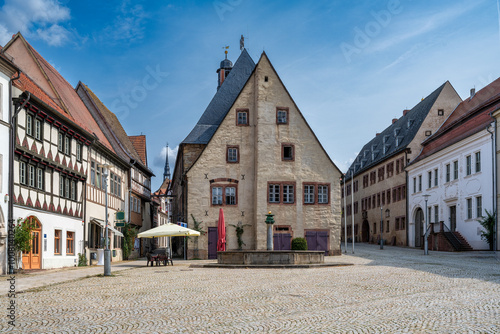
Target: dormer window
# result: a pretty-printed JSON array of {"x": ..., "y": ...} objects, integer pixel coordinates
[{"x": 281, "y": 115}]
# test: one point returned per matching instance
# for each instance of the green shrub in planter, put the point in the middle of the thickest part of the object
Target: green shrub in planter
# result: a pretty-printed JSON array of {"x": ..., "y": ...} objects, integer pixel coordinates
[{"x": 299, "y": 244}]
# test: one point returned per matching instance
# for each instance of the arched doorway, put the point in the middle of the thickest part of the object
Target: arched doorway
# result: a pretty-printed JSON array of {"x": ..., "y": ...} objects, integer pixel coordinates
[
  {"x": 365, "y": 231},
  {"x": 33, "y": 259},
  {"x": 419, "y": 227}
]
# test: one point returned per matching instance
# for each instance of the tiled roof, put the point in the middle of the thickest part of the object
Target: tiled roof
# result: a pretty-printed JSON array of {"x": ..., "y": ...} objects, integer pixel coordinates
[
  {"x": 470, "y": 117},
  {"x": 139, "y": 143},
  {"x": 109, "y": 124},
  {"x": 222, "y": 101},
  {"x": 65, "y": 96},
  {"x": 394, "y": 138}
]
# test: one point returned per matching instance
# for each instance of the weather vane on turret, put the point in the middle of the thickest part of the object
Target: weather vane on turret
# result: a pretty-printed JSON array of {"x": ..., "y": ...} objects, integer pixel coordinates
[{"x": 226, "y": 47}]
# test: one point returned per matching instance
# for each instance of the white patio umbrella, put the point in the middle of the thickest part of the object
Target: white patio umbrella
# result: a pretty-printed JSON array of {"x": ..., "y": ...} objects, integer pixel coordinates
[{"x": 169, "y": 230}]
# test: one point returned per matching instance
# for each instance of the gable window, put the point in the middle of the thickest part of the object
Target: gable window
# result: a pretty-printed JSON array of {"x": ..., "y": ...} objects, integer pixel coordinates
[
  {"x": 22, "y": 172},
  {"x": 478, "y": 162},
  {"x": 287, "y": 152},
  {"x": 281, "y": 192},
  {"x": 468, "y": 165},
  {"x": 57, "y": 242},
  {"x": 281, "y": 115},
  {"x": 232, "y": 154},
  {"x": 323, "y": 194},
  {"x": 288, "y": 193},
  {"x": 230, "y": 196},
  {"x": 217, "y": 196},
  {"x": 242, "y": 117},
  {"x": 309, "y": 194},
  {"x": 455, "y": 170},
  {"x": 274, "y": 193}
]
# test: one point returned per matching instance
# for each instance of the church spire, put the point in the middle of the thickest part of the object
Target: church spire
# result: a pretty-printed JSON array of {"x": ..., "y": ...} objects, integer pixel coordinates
[{"x": 166, "y": 171}]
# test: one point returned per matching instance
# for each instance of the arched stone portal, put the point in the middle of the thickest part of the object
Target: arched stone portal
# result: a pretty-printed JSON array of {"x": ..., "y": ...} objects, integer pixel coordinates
[{"x": 419, "y": 227}]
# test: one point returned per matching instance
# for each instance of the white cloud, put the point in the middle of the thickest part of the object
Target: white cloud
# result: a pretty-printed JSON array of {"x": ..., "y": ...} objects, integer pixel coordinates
[
  {"x": 40, "y": 19},
  {"x": 128, "y": 25},
  {"x": 159, "y": 160}
]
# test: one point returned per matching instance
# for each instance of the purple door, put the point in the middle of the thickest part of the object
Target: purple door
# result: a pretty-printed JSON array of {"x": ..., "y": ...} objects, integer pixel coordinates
[
  {"x": 317, "y": 240},
  {"x": 282, "y": 241},
  {"x": 212, "y": 242}
]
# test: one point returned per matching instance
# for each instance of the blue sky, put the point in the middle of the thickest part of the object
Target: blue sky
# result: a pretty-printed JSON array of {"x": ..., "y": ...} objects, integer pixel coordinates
[{"x": 350, "y": 66}]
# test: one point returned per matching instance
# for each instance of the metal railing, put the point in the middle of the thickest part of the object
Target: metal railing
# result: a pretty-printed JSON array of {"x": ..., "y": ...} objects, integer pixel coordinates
[{"x": 453, "y": 236}]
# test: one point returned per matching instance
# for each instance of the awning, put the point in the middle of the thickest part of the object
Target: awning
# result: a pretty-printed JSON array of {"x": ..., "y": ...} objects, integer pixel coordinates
[{"x": 101, "y": 223}]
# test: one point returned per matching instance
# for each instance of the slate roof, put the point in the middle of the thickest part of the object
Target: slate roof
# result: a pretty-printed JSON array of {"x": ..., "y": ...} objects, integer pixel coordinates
[
  {"x": 222, "y": 101},
  {"x": 395, "y": 138},
  {"x": 470, "y": 117}
]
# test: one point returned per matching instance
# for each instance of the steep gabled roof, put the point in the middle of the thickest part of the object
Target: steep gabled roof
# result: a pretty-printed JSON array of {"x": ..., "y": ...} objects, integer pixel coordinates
[
  {"x": 222, "y": 101},
  {"x": 139, "y": 143},
  {"x": 471, "y": 116},
  {"x": 395, "y": 138},
  {"x": 62, "y": 92},
  {"x": 109, "y": 124}
]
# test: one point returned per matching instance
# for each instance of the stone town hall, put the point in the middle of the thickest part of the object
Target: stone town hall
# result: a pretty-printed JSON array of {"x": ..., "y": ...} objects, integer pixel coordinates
[{"x": 251, "y": 152}]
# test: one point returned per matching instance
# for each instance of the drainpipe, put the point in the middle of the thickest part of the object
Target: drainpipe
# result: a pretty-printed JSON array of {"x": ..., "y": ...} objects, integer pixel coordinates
[
  {"x": 494, "y": 175},
  {"x": 407, "y": 223},
  {"x": 12, "y": 142}
]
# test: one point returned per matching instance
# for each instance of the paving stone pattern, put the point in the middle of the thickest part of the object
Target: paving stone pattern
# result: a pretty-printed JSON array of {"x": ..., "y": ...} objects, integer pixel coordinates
[{"x": 395, "y": 290}]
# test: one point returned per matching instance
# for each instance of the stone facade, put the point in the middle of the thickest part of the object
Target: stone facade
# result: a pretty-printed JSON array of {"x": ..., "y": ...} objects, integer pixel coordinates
[{"x": 287, "y": 156}]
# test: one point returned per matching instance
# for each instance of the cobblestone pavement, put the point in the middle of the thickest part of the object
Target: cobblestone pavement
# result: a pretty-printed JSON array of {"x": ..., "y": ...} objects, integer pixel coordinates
[{"x": 395, "y": 290}]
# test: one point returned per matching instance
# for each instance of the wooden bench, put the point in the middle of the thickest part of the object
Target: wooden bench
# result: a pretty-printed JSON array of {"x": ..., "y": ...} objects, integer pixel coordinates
[{"x": 158, "y": 256}]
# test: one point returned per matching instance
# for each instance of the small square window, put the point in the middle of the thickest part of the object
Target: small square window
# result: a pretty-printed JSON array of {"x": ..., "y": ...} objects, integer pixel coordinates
[
  {"x": 287, "y": 152},
  {"x": 428, "y": 133},
  {"x": 282, "y": 115},
  {"x": 440, "y": 112}
]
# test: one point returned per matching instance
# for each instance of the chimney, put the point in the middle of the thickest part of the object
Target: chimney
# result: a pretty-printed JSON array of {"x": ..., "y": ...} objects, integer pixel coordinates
[
  {"x": 405, "y": 112},
  {"x": 394, "y": 120},
  {"x": 472, "y": 92}
]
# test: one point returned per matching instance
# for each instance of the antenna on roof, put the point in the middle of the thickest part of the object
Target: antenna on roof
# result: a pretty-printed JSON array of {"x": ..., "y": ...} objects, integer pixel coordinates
[{"x": 226, "y": 47}]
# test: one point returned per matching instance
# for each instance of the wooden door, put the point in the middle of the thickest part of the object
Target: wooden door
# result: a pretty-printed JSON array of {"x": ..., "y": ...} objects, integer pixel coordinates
[
  {"x": 33, "y": 259},
  {"x": 453, "y": 218},
  {"x": 282, "y": 241},
  {"x": 212, "y": 242},
  {"x": 317, "y": 240}
]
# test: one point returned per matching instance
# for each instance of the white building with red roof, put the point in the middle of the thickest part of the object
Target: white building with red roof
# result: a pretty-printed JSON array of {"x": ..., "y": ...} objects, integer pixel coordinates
[{"x": 455, "y": 169}]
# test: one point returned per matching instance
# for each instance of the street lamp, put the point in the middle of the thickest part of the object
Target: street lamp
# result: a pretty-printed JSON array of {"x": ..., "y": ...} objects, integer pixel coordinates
[
  {"x": 381, "y": 228},
  {"x": 426, "y": 244},
  {"x": 107, "y": 252}
]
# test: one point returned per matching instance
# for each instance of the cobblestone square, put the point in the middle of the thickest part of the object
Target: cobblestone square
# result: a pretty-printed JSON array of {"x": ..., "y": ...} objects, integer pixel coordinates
[{"x": 395, "y": 290}]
